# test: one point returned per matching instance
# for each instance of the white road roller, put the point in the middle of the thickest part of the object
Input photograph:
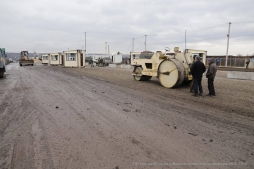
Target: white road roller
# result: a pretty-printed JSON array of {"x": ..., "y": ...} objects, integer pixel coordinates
[{"x": 171, "y": 68}]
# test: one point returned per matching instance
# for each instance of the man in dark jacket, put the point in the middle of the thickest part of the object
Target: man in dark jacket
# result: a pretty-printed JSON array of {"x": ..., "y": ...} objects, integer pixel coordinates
[
  {"x": 197, "y": 70},
  {"x": 192, "y": 83},
  {"x": 210, "y": 75}
]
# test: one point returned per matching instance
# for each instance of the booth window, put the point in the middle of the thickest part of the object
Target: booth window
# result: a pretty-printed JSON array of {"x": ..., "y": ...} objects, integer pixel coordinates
[
  {"x": 54, "y": 57},
  {"x": 70, "y": 56}
]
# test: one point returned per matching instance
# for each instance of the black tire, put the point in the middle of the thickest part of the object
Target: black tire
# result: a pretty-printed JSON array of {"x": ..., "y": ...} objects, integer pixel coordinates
[
  {"x": 146, "y": 78},
  {"x": 20, "y": 64},
  {"x": 139, "y": 71}
]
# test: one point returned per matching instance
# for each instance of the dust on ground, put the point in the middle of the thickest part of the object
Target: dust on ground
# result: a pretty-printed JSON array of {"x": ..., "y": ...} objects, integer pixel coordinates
[{"x": 55, "y": 117}]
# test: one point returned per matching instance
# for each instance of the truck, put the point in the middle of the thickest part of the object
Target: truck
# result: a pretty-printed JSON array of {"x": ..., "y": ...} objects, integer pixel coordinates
[
  {"x": 24, "y": 59},
  {"x": 2, "y": 62}
]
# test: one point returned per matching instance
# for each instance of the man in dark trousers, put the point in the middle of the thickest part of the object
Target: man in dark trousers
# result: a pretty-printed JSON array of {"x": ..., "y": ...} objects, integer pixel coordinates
[
  {"x": 197, "y": 70},
  {"x": 210, "y": 75},
  {"x": 192, "y": 83},
  {"x": 247, "y": 62}
]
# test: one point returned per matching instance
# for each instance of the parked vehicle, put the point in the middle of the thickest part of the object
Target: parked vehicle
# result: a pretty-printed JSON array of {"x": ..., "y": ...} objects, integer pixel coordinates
[
  {"x": 3, "y": 61},
  {"x": 24, "y": 59}
]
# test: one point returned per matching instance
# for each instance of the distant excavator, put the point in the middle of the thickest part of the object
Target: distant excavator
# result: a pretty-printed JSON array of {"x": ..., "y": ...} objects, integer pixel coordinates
[{"x": 24, "y": 59}]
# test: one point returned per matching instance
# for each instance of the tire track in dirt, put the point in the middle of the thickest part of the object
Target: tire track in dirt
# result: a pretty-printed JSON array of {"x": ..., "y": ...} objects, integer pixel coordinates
[
  {"x": 75, "y": 121},
  {"x": 95, "y": 129}
]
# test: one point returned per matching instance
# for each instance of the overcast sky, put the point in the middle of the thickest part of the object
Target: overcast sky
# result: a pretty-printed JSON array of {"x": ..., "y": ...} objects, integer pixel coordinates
[{"x": 48, "y": 26}]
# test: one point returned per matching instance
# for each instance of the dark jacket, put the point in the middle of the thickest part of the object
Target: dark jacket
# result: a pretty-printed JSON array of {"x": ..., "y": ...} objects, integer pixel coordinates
[
  {"x": 197, "y": 69},
  {"x": 212, "y": 69}
]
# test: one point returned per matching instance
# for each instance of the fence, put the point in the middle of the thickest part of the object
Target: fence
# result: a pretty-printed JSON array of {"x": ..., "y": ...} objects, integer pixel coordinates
[{"x": 233, "y": 61}]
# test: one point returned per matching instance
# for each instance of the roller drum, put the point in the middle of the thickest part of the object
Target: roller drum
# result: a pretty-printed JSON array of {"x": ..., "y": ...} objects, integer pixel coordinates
[{"x": 171, "y": 73}]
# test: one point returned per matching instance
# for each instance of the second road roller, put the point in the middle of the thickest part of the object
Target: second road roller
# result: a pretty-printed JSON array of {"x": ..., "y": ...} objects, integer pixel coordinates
[{"x": 172, "y": 68}]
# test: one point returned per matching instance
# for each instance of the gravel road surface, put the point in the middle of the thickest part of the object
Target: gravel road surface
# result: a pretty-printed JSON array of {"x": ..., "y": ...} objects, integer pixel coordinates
[{"x": 82, "y": 118}]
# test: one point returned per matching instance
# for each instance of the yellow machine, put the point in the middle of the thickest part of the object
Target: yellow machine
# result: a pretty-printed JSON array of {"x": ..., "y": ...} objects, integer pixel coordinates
[
  {"x": 171, "y": 68},
  {"x": 24, "y": 59}
]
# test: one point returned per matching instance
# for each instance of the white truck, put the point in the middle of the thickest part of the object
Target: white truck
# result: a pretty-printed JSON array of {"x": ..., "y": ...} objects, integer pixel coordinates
[{"x": 2, "y": 62}]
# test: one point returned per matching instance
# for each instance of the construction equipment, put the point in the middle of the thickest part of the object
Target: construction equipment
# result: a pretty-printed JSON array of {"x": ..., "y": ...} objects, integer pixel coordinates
[
  {"x": 24, "y": 59},
  {"x": 3, "y": 62},
  {"x": 102, "y": 62},
  {"x": 171, "y": 68}
]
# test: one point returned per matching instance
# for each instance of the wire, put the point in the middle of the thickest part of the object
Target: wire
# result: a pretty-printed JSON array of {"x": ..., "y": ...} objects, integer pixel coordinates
[
  {"x": 168, "y": 34},
  {"x": 138, "y": 41},
  {"x": 194, "y": 30},
  {"x": 138, "y": 47},
  {"x": 139, "y": 37},
  {"x": 243, "y": 22},
  {"x": 242, "y": 35}
]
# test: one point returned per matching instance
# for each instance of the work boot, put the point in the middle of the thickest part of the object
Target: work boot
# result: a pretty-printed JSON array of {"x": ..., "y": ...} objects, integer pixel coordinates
[
  {"x": 200, "y": 93},
  {"x": 195, "y": 94}
]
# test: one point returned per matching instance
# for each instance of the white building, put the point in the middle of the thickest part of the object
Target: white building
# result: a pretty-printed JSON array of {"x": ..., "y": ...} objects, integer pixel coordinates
[
  {"x": 116, "y": 58},
  {"x": 56, "y": 59},
  {"x": 74, "y": 58},
  {"x": 45, "y": 58}
]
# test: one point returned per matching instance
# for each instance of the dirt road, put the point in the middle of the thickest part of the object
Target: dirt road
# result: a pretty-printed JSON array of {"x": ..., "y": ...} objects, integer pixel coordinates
[{"x": 69, "y": 118}]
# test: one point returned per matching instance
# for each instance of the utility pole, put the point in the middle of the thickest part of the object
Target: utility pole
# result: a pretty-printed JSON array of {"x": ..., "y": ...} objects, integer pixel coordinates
[
  {"x": 226, "y": 64},
  {"x": 108, "y": 49},
  {"x": 185, "y": 40},
  {"x": 145, "y": 42},
  {"x": 85, "y": 41},
  {"x": 105, "y": 47},
  {"x": 132, "y": 44}
]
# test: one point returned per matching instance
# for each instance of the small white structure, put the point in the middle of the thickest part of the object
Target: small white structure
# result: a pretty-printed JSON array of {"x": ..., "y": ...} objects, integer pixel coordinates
[
  {"x": 56, "y": 59},
  {"x": 74, "y": 58},
  {"x": 45, "y": 58},
  {"x": 117, "y": 58}
]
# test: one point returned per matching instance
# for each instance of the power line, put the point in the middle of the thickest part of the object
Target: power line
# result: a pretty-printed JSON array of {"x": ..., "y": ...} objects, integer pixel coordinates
[
  {"x": 243, "y": 22},
  {"x": 167, "y": 34},
  {"x": 138, "y": 41},
  {"x": 194, "y": 30},
  {"x": 138, "y": 47},
  {"x": 140, "y": 37}
]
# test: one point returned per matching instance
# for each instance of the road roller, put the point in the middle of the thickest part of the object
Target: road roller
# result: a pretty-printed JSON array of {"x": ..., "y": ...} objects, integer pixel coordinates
[{"x": 172, "y": 68}]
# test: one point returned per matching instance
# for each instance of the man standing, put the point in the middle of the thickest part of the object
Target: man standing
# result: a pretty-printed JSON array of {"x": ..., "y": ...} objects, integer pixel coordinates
[
  {"x": 210, "y": 74},
  {"x": 247, "y": 62},
  {"x": 217, "y": 61},
  {"x": 197, "y": 70},
  {"x": 192, "y": 83}
]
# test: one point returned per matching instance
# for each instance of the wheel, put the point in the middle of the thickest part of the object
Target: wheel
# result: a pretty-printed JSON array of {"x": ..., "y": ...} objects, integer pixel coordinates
[
  {"x": 171, "y": 73},
  {"x": 20, "y": 64},
  {"x": 138, "y": 72},
  {"x": 139, "y": 76},
  {"x": 32, "y": 64},
  {"x": 1, "y": 75}
]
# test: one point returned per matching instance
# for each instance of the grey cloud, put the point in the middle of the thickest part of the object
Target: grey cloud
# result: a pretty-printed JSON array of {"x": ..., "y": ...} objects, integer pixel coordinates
[{"x": 51, "y": 26}]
